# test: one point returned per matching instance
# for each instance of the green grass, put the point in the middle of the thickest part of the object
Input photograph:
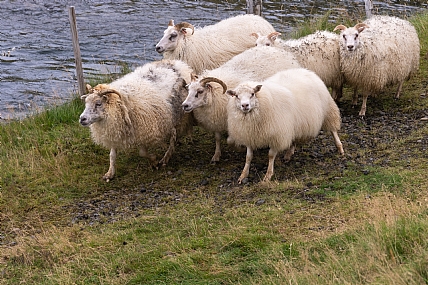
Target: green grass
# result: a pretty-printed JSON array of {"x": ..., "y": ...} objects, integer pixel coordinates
[{"x": 361, "y": 219}]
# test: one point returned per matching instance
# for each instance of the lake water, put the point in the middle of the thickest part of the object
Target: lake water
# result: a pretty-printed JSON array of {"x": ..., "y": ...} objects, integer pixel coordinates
[{"x": 36, "y": 52}]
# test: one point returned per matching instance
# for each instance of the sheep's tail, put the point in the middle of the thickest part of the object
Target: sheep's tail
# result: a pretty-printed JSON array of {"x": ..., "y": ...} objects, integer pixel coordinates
[
  {"x": 332, "y": 123},
  {"x": 332, "y": 120}
]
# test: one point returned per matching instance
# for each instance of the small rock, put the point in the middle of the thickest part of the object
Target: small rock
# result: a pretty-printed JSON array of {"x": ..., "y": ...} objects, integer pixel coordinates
[{"x": 260, "y": 202}]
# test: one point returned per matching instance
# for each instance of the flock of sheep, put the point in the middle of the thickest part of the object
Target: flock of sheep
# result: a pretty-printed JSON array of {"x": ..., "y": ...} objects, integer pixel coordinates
[{"x": 263, "y": 91}]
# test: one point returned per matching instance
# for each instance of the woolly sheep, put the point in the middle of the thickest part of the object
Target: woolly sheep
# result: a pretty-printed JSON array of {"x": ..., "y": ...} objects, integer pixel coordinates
[
  {"x": 211, "y": 46},
  {"x": 290, "y": 107},
  {"x": 206, "y": 93},
  {"x": 318, "y": 52},
  {"x": 379, "y": 52},
  {"x": 141, "y": 109}
]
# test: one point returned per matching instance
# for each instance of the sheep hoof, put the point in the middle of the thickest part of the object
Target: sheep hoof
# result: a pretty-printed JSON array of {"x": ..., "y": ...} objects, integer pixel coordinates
[{"x": 107, "y": 178}]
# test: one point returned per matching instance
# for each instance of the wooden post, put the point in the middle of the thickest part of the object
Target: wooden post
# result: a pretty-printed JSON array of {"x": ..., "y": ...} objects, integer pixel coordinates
[
  {"x": 369, "y": 8},
  {"x": 76, "y": 48},
  {"x": 255, "y": 7}
]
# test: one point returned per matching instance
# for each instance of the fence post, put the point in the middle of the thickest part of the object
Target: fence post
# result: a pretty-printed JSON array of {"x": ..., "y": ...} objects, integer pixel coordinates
[
  {"x": 255, "y": 7},
  {"x": 369, "y": 7},
  {"x": 76, "y": 48}
]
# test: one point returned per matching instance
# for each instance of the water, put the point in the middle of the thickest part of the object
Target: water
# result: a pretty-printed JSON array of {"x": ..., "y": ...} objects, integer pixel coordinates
[{"x": 36, "y": 52}]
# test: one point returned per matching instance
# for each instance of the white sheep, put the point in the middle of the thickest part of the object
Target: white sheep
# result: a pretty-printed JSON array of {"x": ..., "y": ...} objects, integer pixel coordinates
[
  {"x": 140, "y": 110},
  {"x": 211, "y": 46},
  {"x": 290, "y": 107},
  {"x": 318, "y": 52},
  {"x": 379, "y": 52},
  {"x": 206, "y": 96}
]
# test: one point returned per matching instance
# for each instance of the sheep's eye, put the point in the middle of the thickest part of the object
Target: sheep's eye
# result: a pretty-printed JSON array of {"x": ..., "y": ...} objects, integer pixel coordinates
[
  {"x": 173, "y": 36},
  {"x": 98, "y": 104},
  {"x": 268, "y": 45},
  {"x": 344, "y": 37},
  {"x": 356, "y": 36},
  {"x": 252, "y": 94}
]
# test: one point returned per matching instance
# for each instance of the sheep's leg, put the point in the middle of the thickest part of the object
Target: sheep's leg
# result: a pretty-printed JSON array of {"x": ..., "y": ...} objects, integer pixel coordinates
[
  {"x": 171, "y": 148},
  {"x": 355, "y": 97},
  {"x": 289, "y": 153},
  {"x": 337, "y": 142},
  {"x": 151, "y": 157},
  {"x": 336, "y": 93},
  {"x": 246, "y": 169},
  {"x": 269, "y": 172},
  {"x": 400, "y": 86},
  {"x": 111, "y": 171},
  {"x": 217, "y": 152},
  {"x": 364, "y": 105}
]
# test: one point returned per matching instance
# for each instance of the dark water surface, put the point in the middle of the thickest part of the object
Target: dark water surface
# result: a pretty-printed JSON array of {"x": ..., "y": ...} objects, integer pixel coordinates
[{"x": 36, "y": 52}]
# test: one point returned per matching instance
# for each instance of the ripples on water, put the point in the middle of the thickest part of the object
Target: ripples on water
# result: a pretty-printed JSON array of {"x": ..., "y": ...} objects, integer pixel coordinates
[{"x": 36, "y": 53}]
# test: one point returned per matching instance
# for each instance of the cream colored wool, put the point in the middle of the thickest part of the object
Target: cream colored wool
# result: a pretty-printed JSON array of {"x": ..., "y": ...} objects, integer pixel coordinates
[
  {"x": 211, "y": 46},
  {"x": 145, "y": 113},
  {"x": 385, "y": 53},
  {"x": 209, "y": 108},
  {"x": 291, "y": 106},
  {"x": 318, "y": 52}
]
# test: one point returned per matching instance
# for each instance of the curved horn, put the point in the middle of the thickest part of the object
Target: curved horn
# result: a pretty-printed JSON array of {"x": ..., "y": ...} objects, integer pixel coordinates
[
  {"x": 340, "y": 27},
  {"x": 106, "y": 91},
  {"x": 361, "y": 26},
  {"x": 185, "y": 25},
  {"x": 213, "y": 79},
  {"x": 272, "y": 36}
]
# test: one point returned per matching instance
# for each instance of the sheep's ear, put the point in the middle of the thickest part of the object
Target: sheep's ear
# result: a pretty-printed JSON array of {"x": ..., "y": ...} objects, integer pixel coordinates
[
  {"x": 257, "y": 35},
  {"x": 340, "y": 27},
  {"x": 171, "y": 23},
  {"x": 186, "y": 31},
  {"x": 193, "y": 77},
  {"x": 209, "y": 86},
  {"x": 89, "y": 89},
  {"x": 360, "y": 27},
  {"x": 231, "y": 93},
  {"x": 273, "y": 36},
  {"x": 257, "y": 88},
  {"x": 83, "y": 97}
]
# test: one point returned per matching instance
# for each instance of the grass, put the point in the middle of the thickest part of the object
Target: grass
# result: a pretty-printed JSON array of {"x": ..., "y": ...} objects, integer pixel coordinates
[{"x": 322, "y": 220}]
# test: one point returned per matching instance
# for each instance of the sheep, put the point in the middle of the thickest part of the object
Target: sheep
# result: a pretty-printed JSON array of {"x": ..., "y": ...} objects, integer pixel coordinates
[
  {"x": 142, "y": 109},
  {"x": 210, "y": 46},
  {"x": 379, "y": 52},
  {"x": 206, "y": 93},
  {"x": 318, "y": 52},
  {"x": 290, "y": 107}
]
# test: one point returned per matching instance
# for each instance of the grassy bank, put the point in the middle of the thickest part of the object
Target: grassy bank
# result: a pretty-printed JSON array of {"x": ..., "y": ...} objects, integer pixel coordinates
[{"x": 322, "y": 220}]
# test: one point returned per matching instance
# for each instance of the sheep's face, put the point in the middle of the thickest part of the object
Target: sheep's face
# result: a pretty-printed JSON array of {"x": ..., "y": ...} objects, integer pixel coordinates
[
  {"x": 268, "y": 40},
  {"x": 245, "y": 97},
  {"x": 173, "y": 35},
  {"x": 350, "y": 36},
  {"x": 94, "y": 109},
  {"x": 196, "y": 97},
  {"x": 98, "y": 103}
]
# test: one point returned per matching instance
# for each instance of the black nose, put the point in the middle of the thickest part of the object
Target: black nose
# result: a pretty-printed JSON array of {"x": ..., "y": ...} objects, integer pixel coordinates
[
  {"x": 350, "y": 47},
  {"x": 159, "y": 49},
  {"x": 83, "y": 120}
]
